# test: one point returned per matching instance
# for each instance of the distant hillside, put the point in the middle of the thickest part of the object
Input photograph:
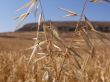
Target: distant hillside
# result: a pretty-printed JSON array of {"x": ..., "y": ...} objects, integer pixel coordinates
[
  {"x": 65, "y": 26},
  {"x": 28, "y": 27}
]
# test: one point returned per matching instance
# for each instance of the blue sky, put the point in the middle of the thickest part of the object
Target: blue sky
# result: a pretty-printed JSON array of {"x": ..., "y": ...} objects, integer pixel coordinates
[{"x": 95, "y": 12}]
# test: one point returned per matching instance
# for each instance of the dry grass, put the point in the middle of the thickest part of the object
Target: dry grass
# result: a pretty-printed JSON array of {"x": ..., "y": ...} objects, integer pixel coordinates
[
  {"x": 14, "y": 59},
  {"x": 82, "y": 57}
]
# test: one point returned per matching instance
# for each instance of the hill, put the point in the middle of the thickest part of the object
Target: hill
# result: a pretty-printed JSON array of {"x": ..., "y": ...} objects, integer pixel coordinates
[{"x": 65, "y": 26}]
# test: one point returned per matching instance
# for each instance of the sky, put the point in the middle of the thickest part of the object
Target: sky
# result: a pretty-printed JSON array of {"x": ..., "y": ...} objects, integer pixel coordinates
[{"x": 95, "y": 12}]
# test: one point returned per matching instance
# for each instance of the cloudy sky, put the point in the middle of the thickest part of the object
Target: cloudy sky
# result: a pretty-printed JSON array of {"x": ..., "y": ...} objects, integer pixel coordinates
[{"x": 95, "y": 12}]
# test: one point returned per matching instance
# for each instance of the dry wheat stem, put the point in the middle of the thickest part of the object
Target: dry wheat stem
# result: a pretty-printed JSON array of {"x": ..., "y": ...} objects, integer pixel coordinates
[{"x": 81, "y": 16}]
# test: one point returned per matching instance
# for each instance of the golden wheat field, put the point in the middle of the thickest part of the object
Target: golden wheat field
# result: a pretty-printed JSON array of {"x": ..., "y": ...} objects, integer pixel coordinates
[{"x": 14, "y": 58}]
